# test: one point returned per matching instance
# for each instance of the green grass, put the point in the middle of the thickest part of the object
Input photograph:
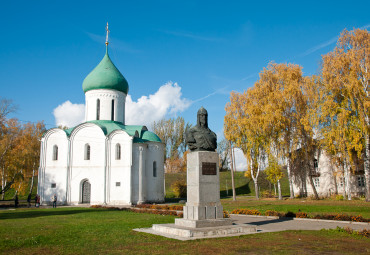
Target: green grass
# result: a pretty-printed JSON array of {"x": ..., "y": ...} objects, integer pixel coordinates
[
  {"x": 243, "y": 185},
  {"x": 245, "y": 198},
  {"x": 312, "y": 207},
  {"x": 102, "y": 231}
]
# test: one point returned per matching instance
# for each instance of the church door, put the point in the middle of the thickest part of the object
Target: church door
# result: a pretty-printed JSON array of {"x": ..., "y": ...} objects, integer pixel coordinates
[{"x": 86, "y": 190}]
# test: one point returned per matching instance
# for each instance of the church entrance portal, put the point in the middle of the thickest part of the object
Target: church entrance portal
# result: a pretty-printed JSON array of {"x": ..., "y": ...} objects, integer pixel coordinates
[{"x": 86, "y": 191}]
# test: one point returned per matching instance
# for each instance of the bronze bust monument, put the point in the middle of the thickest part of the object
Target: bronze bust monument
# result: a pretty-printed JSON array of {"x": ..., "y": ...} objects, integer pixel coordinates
[{"x": 200, "y": 137}]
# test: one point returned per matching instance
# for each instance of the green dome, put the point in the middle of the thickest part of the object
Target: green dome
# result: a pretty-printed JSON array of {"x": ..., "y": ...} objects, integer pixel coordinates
[
  {"x": 105, "y": 76},
  {"x": 149, "y": 136}
]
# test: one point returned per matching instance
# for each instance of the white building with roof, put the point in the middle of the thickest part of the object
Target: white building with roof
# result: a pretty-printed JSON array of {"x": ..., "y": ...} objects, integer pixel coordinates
[
  {"x": 327, "y": 178},
  {"x": 102, "y": 161}
]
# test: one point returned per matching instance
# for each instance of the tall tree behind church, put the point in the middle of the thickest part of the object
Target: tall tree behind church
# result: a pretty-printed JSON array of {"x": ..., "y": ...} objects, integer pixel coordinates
[{"x": 172, "y": 133}]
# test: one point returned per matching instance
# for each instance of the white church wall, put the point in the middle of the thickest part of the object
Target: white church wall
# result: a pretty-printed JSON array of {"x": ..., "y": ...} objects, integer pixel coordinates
[
  {"x": 92, "y": 169},
  {"x": 105, "y": 96},
  {"x": 135, "y": 172},
  {"x": 155, "y": 181},
  {"x": 120, "y": 168},
  {"x": 53, "y": 168}
]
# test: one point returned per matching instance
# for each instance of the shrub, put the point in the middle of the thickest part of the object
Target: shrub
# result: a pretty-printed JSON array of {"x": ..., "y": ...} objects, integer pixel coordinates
[
  {"x": 272, "y": 213},
  {"x": 226, "y": 214},
  {"x": 160, "y": 207},
  {"x": 267, "y": 194},
  {"x": 290, "y": 214},
  {"x": 246, "y": 211},
  {"x": 343, "y": 217},
  {"x": 364, "y": 232},
  {"x": 144, "y": 206},
  {"x": 179, "y": 188},
  {"x": 176, "y": 207},
  {"x": 339, "y": 197},
  {"x": 358, "y": 218},
  {"x": 350, "y": 231},
  {"x": 301, "y": 215}
]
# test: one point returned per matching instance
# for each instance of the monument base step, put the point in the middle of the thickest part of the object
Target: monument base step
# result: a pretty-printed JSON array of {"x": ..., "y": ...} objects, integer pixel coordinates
[
  {"x": 203, "y": 223},
  {"x": 186, "y": 233}
]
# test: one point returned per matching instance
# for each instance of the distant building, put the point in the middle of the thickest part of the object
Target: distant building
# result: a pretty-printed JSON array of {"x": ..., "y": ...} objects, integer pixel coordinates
[
  {"x": 102, "y": 161},
  {"x": 327, "y": 179}
]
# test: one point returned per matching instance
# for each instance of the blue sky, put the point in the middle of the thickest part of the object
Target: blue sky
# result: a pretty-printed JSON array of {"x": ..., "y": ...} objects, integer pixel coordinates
[{"x": 209, "y": 48}]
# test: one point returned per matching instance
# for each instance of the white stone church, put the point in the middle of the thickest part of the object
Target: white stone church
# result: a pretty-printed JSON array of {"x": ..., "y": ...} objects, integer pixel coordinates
[{"x": 102, "y": 161}]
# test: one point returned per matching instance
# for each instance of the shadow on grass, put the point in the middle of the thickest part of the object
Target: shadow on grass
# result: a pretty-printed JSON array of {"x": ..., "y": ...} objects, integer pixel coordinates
[
  {"x": 265, "y": 222},
  {"x": 239, "y": 191},
  {"x": 174, "y": 200},
  {"x": 44, "y": 212}
]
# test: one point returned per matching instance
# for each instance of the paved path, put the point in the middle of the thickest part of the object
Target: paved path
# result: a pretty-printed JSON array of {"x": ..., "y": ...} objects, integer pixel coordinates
[{"x": 273, "y": 224}]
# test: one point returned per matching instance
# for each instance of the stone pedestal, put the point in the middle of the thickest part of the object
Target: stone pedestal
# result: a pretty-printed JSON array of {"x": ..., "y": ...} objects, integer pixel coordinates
[
  {"x": 203, "y": 207},
  {"x": 203, "y": 213}
]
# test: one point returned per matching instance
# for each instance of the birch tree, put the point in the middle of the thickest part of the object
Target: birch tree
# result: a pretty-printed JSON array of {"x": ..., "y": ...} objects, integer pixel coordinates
[
  {"x": 346, "y": 75},
  {"x": 285, "y": 107},
  {"x": 274, "y": 173},
  {"x": 244, "y": 126}
]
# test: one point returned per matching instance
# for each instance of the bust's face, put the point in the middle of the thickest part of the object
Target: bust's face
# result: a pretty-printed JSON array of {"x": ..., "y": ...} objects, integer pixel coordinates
[{"x": 202, "y": 120}]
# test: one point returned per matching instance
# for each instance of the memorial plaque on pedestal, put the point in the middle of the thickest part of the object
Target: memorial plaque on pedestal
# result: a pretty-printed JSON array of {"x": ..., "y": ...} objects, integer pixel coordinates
[{"x": 209, "y": 168}]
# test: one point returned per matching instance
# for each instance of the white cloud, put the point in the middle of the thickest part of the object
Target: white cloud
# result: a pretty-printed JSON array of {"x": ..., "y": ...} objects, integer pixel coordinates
[
  {"x": 166, "y": 102},
  {"x": 68, "y": 114},
  {"x": 240, "y": 160}
]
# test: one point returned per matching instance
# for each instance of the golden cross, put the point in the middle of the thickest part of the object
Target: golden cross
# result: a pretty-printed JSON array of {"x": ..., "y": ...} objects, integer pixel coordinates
[{"x": 106, "y": 38}]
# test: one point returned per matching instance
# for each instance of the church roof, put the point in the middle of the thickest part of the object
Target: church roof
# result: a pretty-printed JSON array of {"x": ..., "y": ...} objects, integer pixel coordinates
[
  {"x": 140, "y": 133},
  {"x": 105, "y": 76}
]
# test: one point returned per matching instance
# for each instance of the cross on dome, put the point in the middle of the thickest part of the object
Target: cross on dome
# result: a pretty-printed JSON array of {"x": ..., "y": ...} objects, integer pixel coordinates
[{"x": 106, "y": 38}]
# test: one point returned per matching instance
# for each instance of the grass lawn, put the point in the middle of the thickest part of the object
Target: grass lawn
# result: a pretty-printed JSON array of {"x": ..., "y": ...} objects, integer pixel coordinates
[
  {"x": 311, "y": 207},
  {"x": 102, "y": 231},
  {"x": 243, "y": 185}
]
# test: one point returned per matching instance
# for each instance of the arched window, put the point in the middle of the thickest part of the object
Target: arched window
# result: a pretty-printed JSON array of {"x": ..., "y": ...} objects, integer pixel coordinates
[
  {"x": 55, "y": 152},
  {"x": 112, "y": 117},
  {"x": 154, "y": 169},
  {"x": 118, "y": 151},
  {"x": 98, "y": 109},
  {"x": 87, "y": 151},
  {"x": 316, "y": 165}
]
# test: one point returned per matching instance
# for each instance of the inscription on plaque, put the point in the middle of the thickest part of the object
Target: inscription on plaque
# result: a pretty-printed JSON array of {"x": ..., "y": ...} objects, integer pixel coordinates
[{"x": 209, "y": 168}]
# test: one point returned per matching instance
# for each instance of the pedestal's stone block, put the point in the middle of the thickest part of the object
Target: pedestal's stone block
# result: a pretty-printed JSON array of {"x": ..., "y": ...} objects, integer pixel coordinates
[
  {"x": 203, "y": 207},
  {"x": 203, "y": 223},
  {"x": 203, "y": 187}
]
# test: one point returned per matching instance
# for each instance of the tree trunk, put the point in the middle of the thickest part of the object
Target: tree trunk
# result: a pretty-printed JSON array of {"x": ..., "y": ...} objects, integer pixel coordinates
[
  {"x": 33, "y": 175},
  {"x": 233, "y": 157},
  {"x": 275, "y": 189},
  {"x": 255, "y": 178},
  {"x": 335, "y": 184},
  {"x": 313, "y": 186},
  {"x": 3, "y": 183},
  {"x": 367, "y": 165},
  {"x": 16, "y": 191},
  {"x": 348, "y": 183},
  {"x": 256, "y": 188},
  {"x": 232, "y": 172},
  {"x": 290, "y": 179},
  {"x": 279, "y": 190}
]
